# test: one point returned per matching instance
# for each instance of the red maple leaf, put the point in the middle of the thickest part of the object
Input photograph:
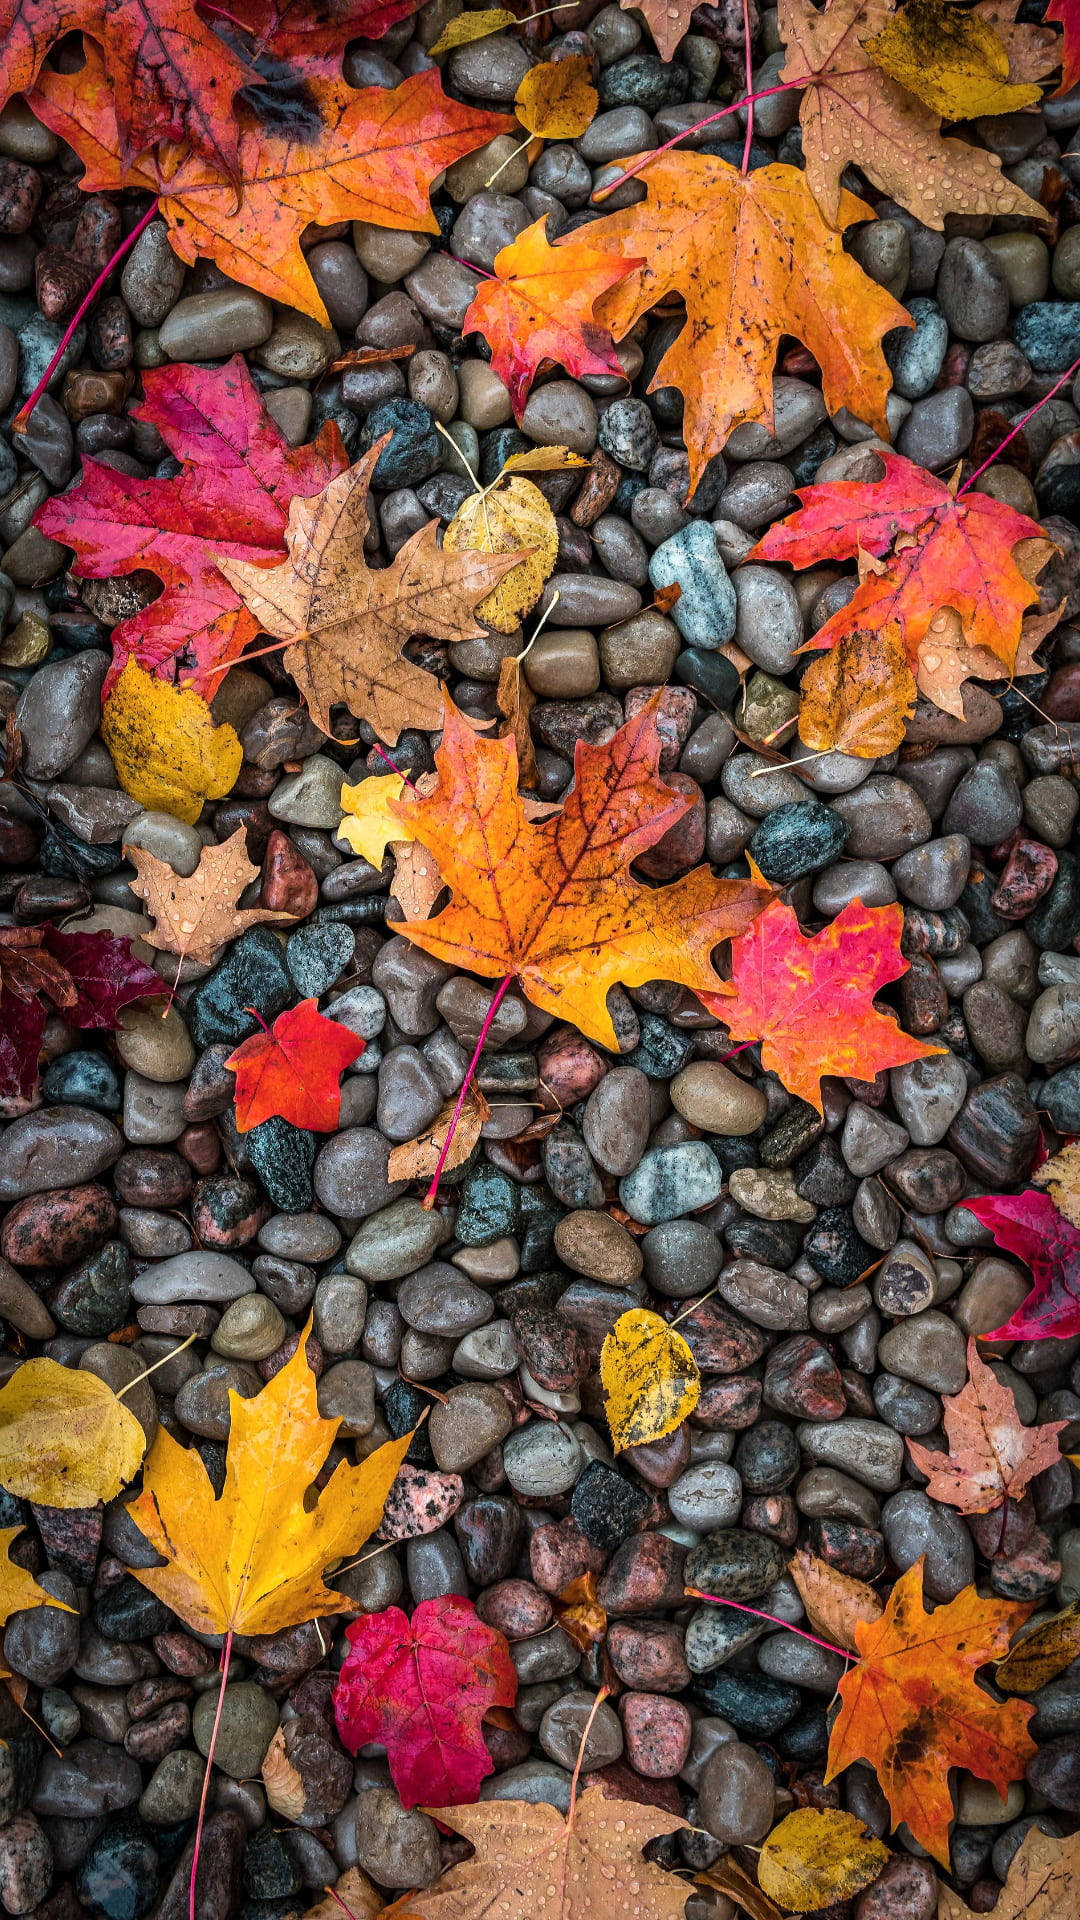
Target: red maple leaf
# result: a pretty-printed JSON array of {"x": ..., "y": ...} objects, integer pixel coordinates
[
  {"x": 307, "y": 37},
  {"x": 232, "y": 498},
  {"x": 1067, "y": 14},
  {"x": 809, "y": 999},
  {"x": 1029, "y": 1225},
  {"x": 292, "y": 1070},
  {"x": 957, "y": 552},
  {"x": 421, "y": 1688}
]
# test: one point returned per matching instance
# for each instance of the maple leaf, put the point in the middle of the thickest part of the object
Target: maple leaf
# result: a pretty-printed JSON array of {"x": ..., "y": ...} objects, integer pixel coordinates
[
  {"x": 959, "y": 554},
  {"x": 307, "y": 36},
  {"x": 421, "y": 1688},
  {"x": 552, "y": 902},
  {"x": 991, "y": 1456},
  {"x": 232, "y": 496},
  {"x": 736, "y": 248},
  {"x": 668, "y": 22},
  {"x": 1043, "y": 1882},
  {"x": 86, "y": 977},
  {"x": 859, "y": 696},
  {"x": 809, "y": 998},
  {"x": 538, "y": 306},
  {"x": 1066, "y": 13},
  {"x": 533, "y": 1860},
  {"x": 1029, "y": 1225},
  {"x": 292, "y": 1070},
  {"x": 952, "y": 61},
  {"x": 853, "y": 114},
  {"x": 357, "y": 154},
  {"x": 912, "y": 1710},
  {"x": 194, "y": 915},
  {"x": 347, "y": 624},
  {"x": 252, "y": 1561}
]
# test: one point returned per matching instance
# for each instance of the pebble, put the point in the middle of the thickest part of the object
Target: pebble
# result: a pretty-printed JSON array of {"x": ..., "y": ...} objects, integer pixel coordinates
[{"x": 670, "y": 1181}]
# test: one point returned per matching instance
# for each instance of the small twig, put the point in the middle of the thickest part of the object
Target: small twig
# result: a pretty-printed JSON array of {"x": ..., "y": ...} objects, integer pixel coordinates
[
  {"x": 693, "y": 1307},
  {"x": 21, "y": 421},
  {"x": 585, "y": 1732},
  {"x": 120, "y": 1391}
]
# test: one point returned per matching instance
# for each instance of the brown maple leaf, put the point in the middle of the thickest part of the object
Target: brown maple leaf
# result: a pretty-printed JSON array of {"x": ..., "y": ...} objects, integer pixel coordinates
[
  {"x": 193, "y": 917},
  {"x": 347, "y": 624},
  {"x": 992, "y": 1456},
  {"x": 26, "y": 969},
  {"x": 533, "y": 1860},
  {"x": 854, "y": 115},
  {"x": 1043, "y": 1883}
]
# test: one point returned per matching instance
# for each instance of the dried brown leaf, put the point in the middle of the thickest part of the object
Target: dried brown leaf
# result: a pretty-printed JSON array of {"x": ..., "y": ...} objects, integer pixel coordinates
[
  {"x": 834, "y": 1601},
  {"x": 193, "y": 917}
]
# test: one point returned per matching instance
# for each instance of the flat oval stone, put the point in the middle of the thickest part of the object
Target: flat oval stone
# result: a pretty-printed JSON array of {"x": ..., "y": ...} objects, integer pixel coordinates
[{"x": 199, "y": 1276}]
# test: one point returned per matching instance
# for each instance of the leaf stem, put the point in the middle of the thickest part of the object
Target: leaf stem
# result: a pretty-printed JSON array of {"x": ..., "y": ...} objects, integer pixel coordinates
[
  {"x": 1021, "y": 423},
  {"x": 748, "y": 50},
  {"x": 716, "y": 1600},
  {"x": 763, "y": 93},
  {"x": 398, "y": 770},
  {"x": 256, "y": 1015},
  {"x": 22, "y": 419},
  {"x": 120, "y": 1391},
  {"x": 585, "y": 1732},
  {"x": 226, "y": 1656},
  {"x": 431, "y": 1195}
]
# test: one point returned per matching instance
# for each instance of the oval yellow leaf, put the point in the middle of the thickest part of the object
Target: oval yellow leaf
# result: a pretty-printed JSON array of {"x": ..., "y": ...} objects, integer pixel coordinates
[
  {"x": 650, "y": 1377},
  {"x": 466, "y": 27},
  {"x": 1041, "y": 1654},
  {"x": 369, "y": 826},
  {"x": 858, "y": 697},
  {"x": 65, "y": 1438},
  {"x": 504, "y": 519},
  {"x": 557, "y": 101},
  {"x": 813, "y": 1859},
  {"x": 952, "y": 61},
  {"x": 168, "y": 753}
]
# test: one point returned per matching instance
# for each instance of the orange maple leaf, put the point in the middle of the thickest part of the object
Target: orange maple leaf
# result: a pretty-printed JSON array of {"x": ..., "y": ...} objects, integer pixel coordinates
[
  {"x": 991, "y": 1456},
  {"x": 912, "y": 1710},
  {"x": 552, "y": 902},
  {"x": 944, "y": 550},
  {"x": 369, "y": 154},
  {"x": 538, "y": 306},
  {"x": 809, "y": 999},
  {"x": 753, "y": 259}
]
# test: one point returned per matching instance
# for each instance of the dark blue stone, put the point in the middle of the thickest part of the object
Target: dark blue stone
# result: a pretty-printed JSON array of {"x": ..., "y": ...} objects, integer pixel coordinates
[
  {"x": 317, "y": 955},
  {"x": 83, "y": 1079},
  {"x": 252, "y": 974},
  {"x": 1048, "y": 331},
  {"x": 799, "y": 838},
  {"x": 414, "y": 451},
  {"x": 283, "y": 1157}
]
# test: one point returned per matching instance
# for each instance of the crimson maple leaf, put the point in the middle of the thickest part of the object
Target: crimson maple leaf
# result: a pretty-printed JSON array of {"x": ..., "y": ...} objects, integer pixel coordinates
[
  {"x": 292, "y": 1069},
  {"x": 85, "y": 977},
  {"x": 421, "y": 1688},
  {"x": 1029, "y": 1225},
  {"x": 809, "y": 999},
  {"x": 1067, "y": 14},
  {"x": 232, "y": 497}
]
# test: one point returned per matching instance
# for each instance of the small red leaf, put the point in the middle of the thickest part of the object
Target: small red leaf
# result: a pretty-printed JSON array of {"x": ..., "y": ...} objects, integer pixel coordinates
[
  {"x": 421, "y": 1688},
  {"x": 292, "y": 1070}
]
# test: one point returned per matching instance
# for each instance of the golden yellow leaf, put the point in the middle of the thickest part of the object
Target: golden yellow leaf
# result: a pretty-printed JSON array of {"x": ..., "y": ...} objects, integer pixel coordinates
[
  {"x": 1061, "y": 1178},
  {"x": 369, "y": 827},
  {"x": 834, "y": 1601},
  {"x": 65, "y": 1438},
  {"x": 506, "y": 518},
  {"x": 859, "y": 696},
  {"x": 417, "y": 1159},
  {"x": 543, "y": 460},
  {"x": 19, "y": 1591},
  {"x": 253, "y": 1560},
  {"x": 952, "y": 61},
  {"x": 168, "y": 753},
  {"x": 1041, "y": 1654},
  {"x": 557, "y": 101},
  {"x": 466, "y": 27},
  {"x": 650, "y": 1377},
  {"x": 813, "y": 1859}
]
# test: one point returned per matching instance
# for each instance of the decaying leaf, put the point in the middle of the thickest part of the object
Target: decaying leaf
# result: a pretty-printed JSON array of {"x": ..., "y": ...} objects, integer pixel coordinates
[
  {"x": 538, "y": 305},
  {"x": 195, "y": 916},
  {"x": 853, "y": 114},
  {"x": 669, "y": 21},
  {"x": 1061, "y": 1178},
  {"x": 66, "y": 1440},
  {"x": 834, "y": 1601},
  {"x": 557, "y": 100},
  {"x": 992, "y": 1457},
  {"x": 285, "y": 1790},
  {"x": 168, "y": 752},
  {"x": 516, "y": 701},
  {"x": 532, "y": 1860},
  {"x": 552, "y": 901},
  {"x": 253, "y": 1560},
  {"x": 417, "y": 1159},
  {"x": 347, "y": 624},
  {"x": 810, "y": 999},
  {"x": 813, "y": 1858},
  {"x": 293, "y": 1070},
  {"x": 952, "y": 61},
  {"x": 946, "y": 660},
  {"x": 511, "y": 517},
  {"x": 649, "y": 1376},
  {"x": 728, "y": 1877},
  {"x": 1043, "y": 1882},
  {"x": 859, "y": 696},
  {"x": 579, "y": 1612},
  {"x": 1039, "y": 1656},
  {"x": 911, "y": 1707},
  {"x": 735, "y": 247}
]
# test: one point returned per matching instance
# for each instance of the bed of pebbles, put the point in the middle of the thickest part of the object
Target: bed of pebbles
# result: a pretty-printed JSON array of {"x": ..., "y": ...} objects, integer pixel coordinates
[{"x": 135, "y": 1215}]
